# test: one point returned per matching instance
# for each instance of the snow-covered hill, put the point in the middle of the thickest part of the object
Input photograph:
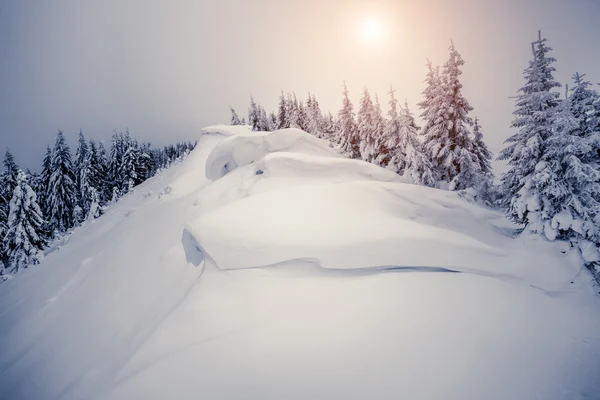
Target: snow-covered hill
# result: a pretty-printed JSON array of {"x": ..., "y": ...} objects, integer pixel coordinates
[{"x": 265, "y": 266}]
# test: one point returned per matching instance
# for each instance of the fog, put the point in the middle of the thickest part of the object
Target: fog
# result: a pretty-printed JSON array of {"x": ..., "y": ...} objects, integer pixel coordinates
[{"x": 164, "y": 69}]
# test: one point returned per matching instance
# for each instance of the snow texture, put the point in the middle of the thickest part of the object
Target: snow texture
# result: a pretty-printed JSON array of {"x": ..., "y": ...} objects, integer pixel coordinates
[{"x": 294, "y": 273}]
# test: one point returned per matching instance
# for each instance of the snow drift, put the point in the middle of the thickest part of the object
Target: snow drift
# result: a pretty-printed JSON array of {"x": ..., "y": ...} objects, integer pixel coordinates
[{"x": 267, "y": 266}]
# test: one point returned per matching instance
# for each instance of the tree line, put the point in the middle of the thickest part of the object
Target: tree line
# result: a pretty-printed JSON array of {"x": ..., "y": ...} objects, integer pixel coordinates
[
  {"x": 553, "y": 183},
  {"x": 35, "y": 207},
  {"x": 448, "y": 151}
]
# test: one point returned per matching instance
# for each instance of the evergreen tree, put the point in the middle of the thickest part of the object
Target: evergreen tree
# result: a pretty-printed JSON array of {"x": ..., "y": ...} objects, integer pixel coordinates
[
  {"x": 253, "y": 115},
  {"x": 116, "y": 170},
  {"x": 535, "y": 115},
  {"x": 282, "y": 113},
  {"x": 483, "y": 158},
  {"x": 82, "y": 175},
  {"x": 315, "y": 118},
  {"x": 365, "y": 125},
  {"x": 272, "y": 122},
  {"x": 44, "y": 183},
  {"x": 263, "y": 121},
  {"x": 130, "y": 163},
  {"x": 103, "y": 167},
  {"x": 8, "y": 182},
  {"x": 407, "y": 154},
  {"x": 329, "y": 128},
  {"x": 302, "y": 116},
  {"x": 377, "y": 143},
  {"x": 293, "y": 111},
  {"x": 61, "y": 190},
  {"x": 95, "y": 210},
  {"x": 3, "y": 226},
  {"x": 347, "y": 134},
  {"x": 394, "y": 138},
  {"x": 10, "y": 173},
  {"x": 235, "y": 120},
  {"x": 567, "y": 187},
  {"x": 23, "y": 238},
  {"x": 446, "y": 131},
  {"x": 585, "y": 108}
]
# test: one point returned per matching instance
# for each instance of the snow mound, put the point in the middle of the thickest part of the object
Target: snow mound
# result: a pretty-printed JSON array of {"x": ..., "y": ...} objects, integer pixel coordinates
[
  {"x": 245, "y": 148},
  {"x": 362, "y": 287}
]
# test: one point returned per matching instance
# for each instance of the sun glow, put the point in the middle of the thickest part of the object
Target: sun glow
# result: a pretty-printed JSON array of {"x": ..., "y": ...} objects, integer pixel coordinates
[{"x": 373, "y": 29}]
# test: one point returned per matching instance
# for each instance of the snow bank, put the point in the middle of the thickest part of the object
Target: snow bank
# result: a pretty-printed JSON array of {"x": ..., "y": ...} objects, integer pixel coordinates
[
  {"x": 245, "y": 148},
  {"x": 423, "y": 295}
]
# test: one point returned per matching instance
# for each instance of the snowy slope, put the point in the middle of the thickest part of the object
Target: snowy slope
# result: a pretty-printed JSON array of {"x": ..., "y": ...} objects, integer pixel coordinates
[{"x": 265, "y": 266}]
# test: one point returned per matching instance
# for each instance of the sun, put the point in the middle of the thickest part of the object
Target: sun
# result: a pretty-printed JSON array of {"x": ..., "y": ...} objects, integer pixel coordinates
[{"x": 372, "y": 29}]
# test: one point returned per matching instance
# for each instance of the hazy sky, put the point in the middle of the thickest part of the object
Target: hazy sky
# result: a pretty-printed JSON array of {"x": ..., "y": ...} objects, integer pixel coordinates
[{"x": 167, "y": 68}]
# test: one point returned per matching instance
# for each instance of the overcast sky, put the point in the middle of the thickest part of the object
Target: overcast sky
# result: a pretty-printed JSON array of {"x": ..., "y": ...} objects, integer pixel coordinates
[{"x": 167, "y": 68}]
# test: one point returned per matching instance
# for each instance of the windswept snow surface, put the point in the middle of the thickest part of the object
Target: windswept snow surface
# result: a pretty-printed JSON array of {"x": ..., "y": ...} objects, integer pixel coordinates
[{"x": 265, "y": 266}]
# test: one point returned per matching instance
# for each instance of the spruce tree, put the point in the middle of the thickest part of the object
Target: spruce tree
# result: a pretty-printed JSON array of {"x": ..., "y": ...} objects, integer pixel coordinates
[
  {"x": 23, "y": 239},
  {"x": 347, "y": 134},
  {"x": 263, "y": 121},
  {"x": 10, "y": 173},
  {"x": 584, "y": 101},
  {"x": 377, "y": 143},
  {"x": 62, "y": 197},
  {"x": 282, "y": 113},
  {"x": 116, "y": 171},
  {"x": 394, "y": 145},
  {"x": 569, "y": 182},
  {"x": 235, "y": 120},
  {"x": 103, "y": 169},
  {"x": 253, "y": 115},
  {"x": 446, "y": 131},
  {"x": 293, "y": 111},
  {"x": 272, "y": 122},
  {"x": 365, "y": 125},
  {"x": 408, "y": 156},
  {"x": 95, "y": 210},
  {"x": 82, "y": 175},
  {"x": 483, "y": 157},
  {"x": 130, "y": 162},
  {"x": 535, "y": 116},
  {"x": 8, "y": 182}
]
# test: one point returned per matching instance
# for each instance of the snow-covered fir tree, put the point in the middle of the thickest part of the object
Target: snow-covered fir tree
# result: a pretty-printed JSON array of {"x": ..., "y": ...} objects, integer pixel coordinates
[
  {"x": 282, "y": 113},
  {"x": 483, "y": 158},
  {"x": 235, "y": 120},
  {"x": 347, "y": 134},
  {"x": 23, "y": 239},
  {"x": 315, "y": 118},
  {"x": 115, "y": 162},
  {"x": 408, "y": 156},
  {"x": 10, "y": 172},
  {"x": 393, "y": 144},
  {"x": 328, "y": 130},
  {"x": 263, "y": 120},
  {"x": 293, "y": 111},
  {"x": 82, "y": 174},
  {"x": 253, "y": 115},
  {"x": 302, "y": 116},
  {"x": 103, "y": 168},
  {"x": 95, "y": 210},
  {"x": 365, "y": 126},
  {"x": 130, "y": 164},
  {"x": 446, "y": 131},
  {"x": 585, "y": 107},
  {"x": 3, "y": 226},
  {"x": 567, "y": 179},
  {"x": 8, "y": 182},
  {"x": 377, "y": 144},
  {"x": 535, "y": 116},
  {"x": 272, "y": 122},
  {"x": 62, "y": 196}
]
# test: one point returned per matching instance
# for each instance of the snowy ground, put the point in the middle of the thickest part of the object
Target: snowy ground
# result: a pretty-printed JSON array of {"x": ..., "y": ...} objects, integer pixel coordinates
[{"x": 267, "y": 267}]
